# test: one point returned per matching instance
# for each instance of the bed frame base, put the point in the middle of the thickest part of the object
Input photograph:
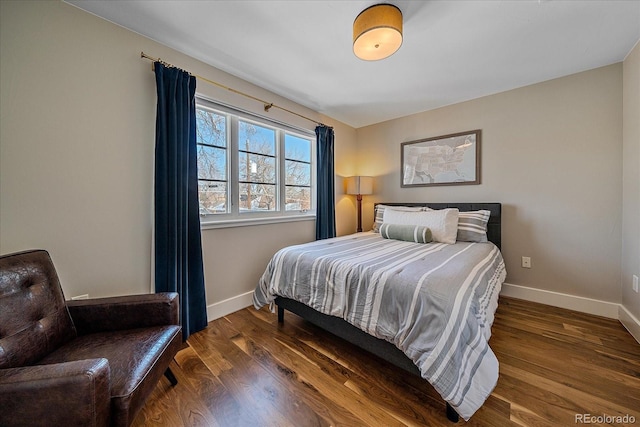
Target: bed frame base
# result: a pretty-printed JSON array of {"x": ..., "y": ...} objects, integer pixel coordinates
[
  {"x": 350, "y": 333},
  {"x": 452, "y": 415}
]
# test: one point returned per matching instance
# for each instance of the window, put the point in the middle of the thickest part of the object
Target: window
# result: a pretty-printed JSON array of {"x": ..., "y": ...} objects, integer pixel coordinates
[
  {"x": 257, "y": 167},
  {"x": 250, "y": 168},
  {"x": 211, "y": 137},
  {"x": 297, "y": 161}
]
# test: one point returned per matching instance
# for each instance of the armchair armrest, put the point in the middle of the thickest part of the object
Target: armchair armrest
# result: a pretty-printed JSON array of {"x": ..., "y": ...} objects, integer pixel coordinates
[
  {"x": 126, "y": 312},
  {"x": 70, "y": 393}
]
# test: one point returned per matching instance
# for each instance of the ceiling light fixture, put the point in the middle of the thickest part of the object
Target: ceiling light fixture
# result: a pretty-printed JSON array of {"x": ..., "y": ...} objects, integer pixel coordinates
[{"x": 377, "y": 32}]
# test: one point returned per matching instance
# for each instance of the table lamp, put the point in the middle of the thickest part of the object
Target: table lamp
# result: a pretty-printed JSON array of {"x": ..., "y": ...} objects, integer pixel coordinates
[{"x": 359, "y": 186}]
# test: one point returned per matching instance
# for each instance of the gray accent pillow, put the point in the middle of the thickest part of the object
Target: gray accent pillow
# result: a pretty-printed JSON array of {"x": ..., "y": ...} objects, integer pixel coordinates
[
  {"x": 407, "y": 233},
  {"x": 472, "y": 226}
]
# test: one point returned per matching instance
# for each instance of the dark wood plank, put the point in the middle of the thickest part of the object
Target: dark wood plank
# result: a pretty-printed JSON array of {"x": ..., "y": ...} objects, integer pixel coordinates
[
  {"x": 174, "y": 406},
  {"x": 328, "y": 370},
  {"x": 247, "y": 369}
]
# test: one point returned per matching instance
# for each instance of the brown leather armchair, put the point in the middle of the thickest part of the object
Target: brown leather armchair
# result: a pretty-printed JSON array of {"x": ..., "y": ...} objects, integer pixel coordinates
[{"x": 78, "y": 363}]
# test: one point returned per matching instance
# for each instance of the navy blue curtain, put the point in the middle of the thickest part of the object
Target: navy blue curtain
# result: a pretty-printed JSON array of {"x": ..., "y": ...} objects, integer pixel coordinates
[
  {"x": 178, "y": 246},
  {"x": 326, "y": 210}
]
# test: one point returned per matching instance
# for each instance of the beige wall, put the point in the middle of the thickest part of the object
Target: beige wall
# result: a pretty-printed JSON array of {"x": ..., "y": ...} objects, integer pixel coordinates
[
  {"x": 77, "y": 117},
  {"x": 552, "y": 154},
  {"x": 345, "y": 165},
  {"x": 631, "y": 181},
  {"x": 76, "y": 154}
]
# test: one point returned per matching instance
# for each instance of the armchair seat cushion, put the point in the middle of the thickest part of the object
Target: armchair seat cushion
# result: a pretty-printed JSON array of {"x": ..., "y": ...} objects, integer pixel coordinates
[{"x": 137, "y": 358}]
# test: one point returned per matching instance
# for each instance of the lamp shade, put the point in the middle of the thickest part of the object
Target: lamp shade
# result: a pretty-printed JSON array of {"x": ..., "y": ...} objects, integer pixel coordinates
[
  {"x": 377, "y": 32},
  {"x": 362, "y": 185}
]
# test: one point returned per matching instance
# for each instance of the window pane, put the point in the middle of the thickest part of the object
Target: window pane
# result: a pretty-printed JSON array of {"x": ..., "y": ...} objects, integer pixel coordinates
[
  {"x": 298, "y": 198},
  {"x": 212, "y": 163},
  {"x": 297, "y": 173},
  {"x": 211, "y": 128},
  {"x": 256, "y": 139},
  {"x": 213, "y": 197},
  {"x": 297, "y": 148},
  {"x": 257, "y": 168},
  {"x": 257, "y": 198}
]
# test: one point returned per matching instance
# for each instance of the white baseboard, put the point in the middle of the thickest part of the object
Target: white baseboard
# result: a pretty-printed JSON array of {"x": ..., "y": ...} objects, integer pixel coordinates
[
  {"x": 630, "y": 322},
  {"x": 557, "y": 299},
  {"x": 228, "y": 306}
]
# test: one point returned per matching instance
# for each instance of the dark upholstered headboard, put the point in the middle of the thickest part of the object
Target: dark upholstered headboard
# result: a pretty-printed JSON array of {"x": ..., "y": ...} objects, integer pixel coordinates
[{"x": 494, "y": 226}]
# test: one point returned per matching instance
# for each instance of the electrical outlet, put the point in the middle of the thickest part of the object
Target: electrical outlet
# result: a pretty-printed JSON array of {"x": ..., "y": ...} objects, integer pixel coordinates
[
  {"x": 635, "y": 283},
  {"x": 83, "y": 296},
  {"x": 526, "y": 262}
]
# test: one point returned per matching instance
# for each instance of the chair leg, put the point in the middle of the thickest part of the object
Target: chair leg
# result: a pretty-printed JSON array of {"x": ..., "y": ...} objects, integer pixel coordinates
[{"x": 172, "y": 378}]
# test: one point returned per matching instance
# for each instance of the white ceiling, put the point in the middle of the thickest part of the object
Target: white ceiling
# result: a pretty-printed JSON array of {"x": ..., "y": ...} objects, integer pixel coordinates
[{"x": 452, "y": 50}]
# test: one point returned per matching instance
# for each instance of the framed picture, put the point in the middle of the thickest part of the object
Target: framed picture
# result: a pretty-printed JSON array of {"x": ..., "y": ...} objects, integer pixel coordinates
[{"x": 444, "y": 160}]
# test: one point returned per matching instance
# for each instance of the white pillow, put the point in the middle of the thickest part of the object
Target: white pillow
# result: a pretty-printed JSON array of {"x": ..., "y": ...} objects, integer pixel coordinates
[
  {"x": 443, "y": 223},
  {"x": 378, "y": 214}
]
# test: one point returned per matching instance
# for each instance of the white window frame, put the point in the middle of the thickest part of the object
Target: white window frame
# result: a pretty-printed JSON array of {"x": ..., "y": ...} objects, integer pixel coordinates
[{"x": 233, "y": 217}]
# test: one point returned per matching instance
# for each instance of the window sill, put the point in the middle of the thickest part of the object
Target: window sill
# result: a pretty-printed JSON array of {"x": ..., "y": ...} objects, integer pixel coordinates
[{"x": 209, "y": 225}]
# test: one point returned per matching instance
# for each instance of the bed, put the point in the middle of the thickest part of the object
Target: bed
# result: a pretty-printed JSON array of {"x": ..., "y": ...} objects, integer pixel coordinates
[{"x": 426, "y": 308}]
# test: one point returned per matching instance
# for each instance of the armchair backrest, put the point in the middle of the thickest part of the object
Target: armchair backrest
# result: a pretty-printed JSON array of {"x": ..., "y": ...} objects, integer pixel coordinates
[{"x": 34, "y": 319}]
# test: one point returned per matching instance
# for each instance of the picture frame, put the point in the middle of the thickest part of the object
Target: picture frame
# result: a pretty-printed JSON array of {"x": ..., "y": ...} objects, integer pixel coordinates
[{"x": 452, "y": 159}]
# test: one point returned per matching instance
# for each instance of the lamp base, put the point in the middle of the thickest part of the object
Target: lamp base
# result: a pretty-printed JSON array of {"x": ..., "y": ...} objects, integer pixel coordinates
[{"x": 359, "y": 199}]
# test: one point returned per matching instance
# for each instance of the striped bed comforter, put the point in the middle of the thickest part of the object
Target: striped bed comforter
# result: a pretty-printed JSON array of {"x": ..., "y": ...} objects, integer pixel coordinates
[{"x": 434, "y": 301}]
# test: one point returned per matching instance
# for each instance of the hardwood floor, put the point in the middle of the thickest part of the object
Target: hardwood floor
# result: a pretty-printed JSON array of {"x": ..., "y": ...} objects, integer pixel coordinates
[{"x": 247, "y": 370}]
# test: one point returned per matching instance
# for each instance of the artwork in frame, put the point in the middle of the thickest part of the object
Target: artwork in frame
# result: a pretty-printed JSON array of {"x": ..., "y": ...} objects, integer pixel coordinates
[{"x": 443, "y": 160}]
